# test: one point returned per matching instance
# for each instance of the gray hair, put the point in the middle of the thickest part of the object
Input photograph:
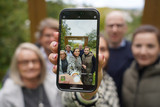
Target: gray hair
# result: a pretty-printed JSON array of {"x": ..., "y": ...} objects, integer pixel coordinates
[
  {"x": 46, "y": 23},
  {"x": 14, "y": 71},
  {"x": 68, "y": 46}
]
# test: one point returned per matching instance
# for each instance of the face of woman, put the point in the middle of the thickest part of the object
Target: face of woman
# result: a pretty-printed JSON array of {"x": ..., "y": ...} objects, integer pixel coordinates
[
  {"x": 103, "y": 49},
  {"x": 62, "y": 55},
  {"x": 145, "y": 48},
  {"x": 29, "y": 64},
  {"x": 76, "y": 52}
]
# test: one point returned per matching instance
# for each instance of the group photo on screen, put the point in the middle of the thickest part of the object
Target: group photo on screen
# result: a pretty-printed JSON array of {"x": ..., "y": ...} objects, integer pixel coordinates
[{"x": 78, "y": 51}]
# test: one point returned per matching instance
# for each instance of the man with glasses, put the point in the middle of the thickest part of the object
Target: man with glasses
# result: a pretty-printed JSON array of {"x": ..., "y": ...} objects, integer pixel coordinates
[
  {"x": 44, "y": 37},
  {"x": 119, "y": 48}
]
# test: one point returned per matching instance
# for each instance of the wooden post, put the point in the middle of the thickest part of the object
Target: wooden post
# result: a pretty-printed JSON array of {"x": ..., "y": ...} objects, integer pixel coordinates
[
  {"x": 37, "y": 12},
  {"x": 151, "y": 13}
]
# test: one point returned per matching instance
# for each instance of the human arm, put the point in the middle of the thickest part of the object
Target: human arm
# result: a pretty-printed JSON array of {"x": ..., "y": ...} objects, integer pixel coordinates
[{"x": 54, "y": 49}]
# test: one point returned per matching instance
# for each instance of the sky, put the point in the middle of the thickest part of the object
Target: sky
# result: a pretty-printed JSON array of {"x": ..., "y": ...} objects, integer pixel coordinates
[
  {"x": 123, "y": 4},
  {"x": 81, "y": 27}
]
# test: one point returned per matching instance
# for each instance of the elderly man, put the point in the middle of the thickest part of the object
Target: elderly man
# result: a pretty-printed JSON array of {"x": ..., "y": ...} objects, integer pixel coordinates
[
  {"x": 45, "y": 36},
  {"x": 119, "y": 48}
]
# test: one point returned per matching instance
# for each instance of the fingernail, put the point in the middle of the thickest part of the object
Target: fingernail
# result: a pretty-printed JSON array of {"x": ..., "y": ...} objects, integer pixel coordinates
[
  {"x": 55, "y": 44},
  {"x": 54, "y": 56},
  {"x": 102, "y": 56}
]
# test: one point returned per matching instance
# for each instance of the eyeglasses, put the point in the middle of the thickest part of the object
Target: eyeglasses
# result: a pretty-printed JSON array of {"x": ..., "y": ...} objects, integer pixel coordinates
[
  {"x": 48, "y": 35},
  {"x": 117, "y": 25},
  {"x": 26, "y": 62}
]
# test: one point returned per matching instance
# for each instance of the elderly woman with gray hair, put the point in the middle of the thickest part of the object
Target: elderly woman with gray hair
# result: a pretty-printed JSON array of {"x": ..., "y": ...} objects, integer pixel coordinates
[{"x": 28, "y": 85}]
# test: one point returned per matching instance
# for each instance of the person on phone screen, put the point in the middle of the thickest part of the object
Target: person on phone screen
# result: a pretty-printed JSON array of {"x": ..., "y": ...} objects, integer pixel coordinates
[
  {"x": 141, "y": 80},
  {"x": 81, "y": 50},
  {"x": 74, "y": 63},
  {"x": 88, "y": 64},
  {"x": 28, "y": 84},
  {"x": 63, "y": 62},
  {"x": 104, "y": 96},
  {"x": 68, "y": 50}
]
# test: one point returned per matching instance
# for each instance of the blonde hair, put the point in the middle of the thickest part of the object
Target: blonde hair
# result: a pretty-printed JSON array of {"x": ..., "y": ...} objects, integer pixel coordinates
[
  {"x": 47, "y": 23},
  {"x": 14, "y": 71},
  {"x": 64, "y": 52}
]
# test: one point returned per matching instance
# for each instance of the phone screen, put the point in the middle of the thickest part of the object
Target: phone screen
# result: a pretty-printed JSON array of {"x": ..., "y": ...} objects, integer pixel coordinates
[{"x": 78, "y": 50}]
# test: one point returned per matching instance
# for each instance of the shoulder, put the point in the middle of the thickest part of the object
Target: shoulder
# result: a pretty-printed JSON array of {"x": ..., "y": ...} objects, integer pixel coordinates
[
  {"x": 131, "y": 70},
  {"x": 10, "y": 86},
  {"x": 128, "y": 44},
  {"x": 11, "y": 93}
]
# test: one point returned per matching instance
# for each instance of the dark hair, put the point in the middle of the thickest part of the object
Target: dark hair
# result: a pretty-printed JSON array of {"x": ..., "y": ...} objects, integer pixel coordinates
[
  {"x": 102, "y": 36},
  {"x": 87, "y": 47},
  {"x": 74, "y": 50},
  {"x": 149, "y": 29}
]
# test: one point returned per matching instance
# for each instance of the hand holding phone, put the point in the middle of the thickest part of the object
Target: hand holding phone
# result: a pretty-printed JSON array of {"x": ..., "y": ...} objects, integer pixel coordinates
[
  {"x": 78, "y": 27},
  {"x": 53, "y": 59}
]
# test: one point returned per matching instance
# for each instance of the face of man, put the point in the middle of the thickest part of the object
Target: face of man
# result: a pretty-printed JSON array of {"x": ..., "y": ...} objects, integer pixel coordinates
[
  {"x": 68, "y": 48},
  {"x": 115, "y": 28},
  {"x": 80, "y": 46},
  {"x": 47, "y": 37},
  {"x": 86, "y": 51}
]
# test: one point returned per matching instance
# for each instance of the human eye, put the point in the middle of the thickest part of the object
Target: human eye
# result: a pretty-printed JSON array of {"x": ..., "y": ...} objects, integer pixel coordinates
[
  {"x": 138, "y": 45},
  {"x": 110, "y": 26},
  {"x": 120, "y": 25},
  {"x": 23, "y": 62},
  {"x": 102, "y": 49},
  {"x": 150, "y": 46},
  {"x": 35, "y": 61}
]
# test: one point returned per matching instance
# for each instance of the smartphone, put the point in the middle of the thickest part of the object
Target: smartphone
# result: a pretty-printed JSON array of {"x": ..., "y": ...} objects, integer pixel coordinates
[{"x": 77, "y": 66}]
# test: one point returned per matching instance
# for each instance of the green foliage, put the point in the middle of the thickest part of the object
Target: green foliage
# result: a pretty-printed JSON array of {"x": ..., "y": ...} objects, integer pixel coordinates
[
  {"x": 76, "y": 45},
  {"x": 134, "y": 24},
  {"x": 65, "y": 31},
  {"x": 54, "y": 7},
  {"x": 92, "y": 39},
  {"x": 13, "y": 29},
  {"x": 103, "y": 12}
]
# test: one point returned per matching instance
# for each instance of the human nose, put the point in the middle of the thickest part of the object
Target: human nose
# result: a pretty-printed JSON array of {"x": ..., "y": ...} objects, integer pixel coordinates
[
  {"x": 143, "y": 50},
  {"x": 30, "y": 64},
  {"x": 114, "y": 28}
]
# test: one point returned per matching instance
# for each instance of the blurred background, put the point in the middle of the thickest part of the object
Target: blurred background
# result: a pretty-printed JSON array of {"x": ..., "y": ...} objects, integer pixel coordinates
[{"x": 19, "y": 19}]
